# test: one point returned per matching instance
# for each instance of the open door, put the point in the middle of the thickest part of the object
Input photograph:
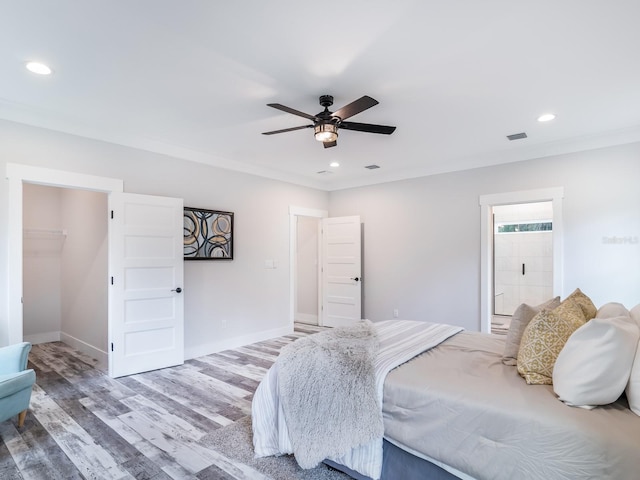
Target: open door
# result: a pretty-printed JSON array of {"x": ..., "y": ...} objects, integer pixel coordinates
[
  {"x": 341, "y": 271},
  {"x": 146, "y": 325}
]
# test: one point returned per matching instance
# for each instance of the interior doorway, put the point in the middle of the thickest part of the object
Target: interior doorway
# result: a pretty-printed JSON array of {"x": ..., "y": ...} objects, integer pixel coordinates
[
  {"x": 487, "y": 205},
  {"x": 304, "y": 244},
  {"x": 19, "y": 175},
  {"x": 65, "y": 264},
  {"x": 523, "y": 255},
  {"x": 307, "y": 269},
  {"x": 522, "y": 258},
  {"x": 337, "y": 267}
]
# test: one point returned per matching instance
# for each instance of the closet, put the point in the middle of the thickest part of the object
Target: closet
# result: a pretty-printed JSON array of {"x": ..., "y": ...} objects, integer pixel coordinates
[{"x": 65, "y": 268}]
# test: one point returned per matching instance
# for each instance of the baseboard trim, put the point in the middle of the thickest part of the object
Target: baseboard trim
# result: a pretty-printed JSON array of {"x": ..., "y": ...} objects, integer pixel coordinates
[
  {"x": 235, "y": 342},
  {"x": 100, "y": 355},
  {"x": 307, "y": 318},
  {"x": 45, "y": 337}
]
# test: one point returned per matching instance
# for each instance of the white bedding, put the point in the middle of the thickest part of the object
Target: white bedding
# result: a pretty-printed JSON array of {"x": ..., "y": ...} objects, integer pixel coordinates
[
  {"x": 460, "y": 405},
  {"x": 400, "y": 340}
]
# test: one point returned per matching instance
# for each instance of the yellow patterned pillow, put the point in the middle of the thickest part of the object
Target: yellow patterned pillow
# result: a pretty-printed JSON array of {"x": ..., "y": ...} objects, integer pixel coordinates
[
  {"x": 543, "y": 339},
  {"x": 573, "y": 309},
  {"x": 585, "y": 303}
]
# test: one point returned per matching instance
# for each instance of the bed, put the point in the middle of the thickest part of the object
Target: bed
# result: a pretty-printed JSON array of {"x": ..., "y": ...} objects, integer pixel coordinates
[
  {"x": 456, "y": 411},
  {"x": 459, "y": 404}
]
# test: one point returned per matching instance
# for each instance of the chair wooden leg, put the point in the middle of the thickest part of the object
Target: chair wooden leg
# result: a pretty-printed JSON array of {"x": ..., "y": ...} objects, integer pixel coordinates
[{"x": 21, "y": 417}]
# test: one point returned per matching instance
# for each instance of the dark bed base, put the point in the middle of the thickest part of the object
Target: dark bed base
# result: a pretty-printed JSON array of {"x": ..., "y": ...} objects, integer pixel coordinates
[{"x": 398, "y": 464}]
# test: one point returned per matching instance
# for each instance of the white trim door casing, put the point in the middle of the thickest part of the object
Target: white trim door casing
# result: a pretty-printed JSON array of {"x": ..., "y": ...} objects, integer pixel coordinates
[
  {"x": 487, "y": 202},
  {"x": 17, "y": 175},
  {"x": 146, "y": 303}
]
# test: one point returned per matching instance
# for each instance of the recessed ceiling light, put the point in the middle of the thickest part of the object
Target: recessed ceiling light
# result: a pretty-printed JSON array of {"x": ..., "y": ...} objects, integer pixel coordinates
[
  {"x": 334, "y": 164},
  {"x": 39, "y": 68},
  {"x": 547, "y": 117}
]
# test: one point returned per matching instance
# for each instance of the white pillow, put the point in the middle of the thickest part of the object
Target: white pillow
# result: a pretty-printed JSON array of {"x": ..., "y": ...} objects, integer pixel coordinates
[
  {"x": 612, "y": 309},
  {"x": 633, "y": 387},
  {"x": 594, "y": 366}
]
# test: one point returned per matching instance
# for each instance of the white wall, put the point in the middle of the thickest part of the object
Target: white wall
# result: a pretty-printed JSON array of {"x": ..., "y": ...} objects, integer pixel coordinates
[
  {"x": 227, "y": 303},
  {"x": 85, "y": 272},
  {"x": 422, "y": 236}
]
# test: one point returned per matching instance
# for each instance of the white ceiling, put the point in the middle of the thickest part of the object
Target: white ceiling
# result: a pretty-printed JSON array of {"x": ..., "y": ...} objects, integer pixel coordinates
[{"x": 192, "y": 79}]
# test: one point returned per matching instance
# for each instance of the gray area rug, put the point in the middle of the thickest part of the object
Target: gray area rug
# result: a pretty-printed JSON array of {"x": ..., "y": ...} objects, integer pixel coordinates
[{"x": 236, "y": 442}]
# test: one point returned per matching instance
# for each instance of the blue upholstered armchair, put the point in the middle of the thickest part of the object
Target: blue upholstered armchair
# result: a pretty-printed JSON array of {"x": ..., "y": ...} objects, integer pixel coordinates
[{"x": 16, "y": 381}]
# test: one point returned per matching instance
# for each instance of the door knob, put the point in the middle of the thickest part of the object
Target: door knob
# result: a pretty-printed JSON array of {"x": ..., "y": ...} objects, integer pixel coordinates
[
  {"x": 355, "y": 278},
  {"x": 177, "y": 290}
]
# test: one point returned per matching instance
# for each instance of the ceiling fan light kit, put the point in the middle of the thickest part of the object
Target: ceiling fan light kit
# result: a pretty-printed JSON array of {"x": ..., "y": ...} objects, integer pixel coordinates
[
  {"x": 326, "y": 124},
  {"x": 326, "y": 132}
]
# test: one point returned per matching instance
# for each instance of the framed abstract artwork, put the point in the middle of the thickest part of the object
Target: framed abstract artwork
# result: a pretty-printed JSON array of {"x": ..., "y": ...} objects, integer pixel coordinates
[{"x": 208, "y": 234}]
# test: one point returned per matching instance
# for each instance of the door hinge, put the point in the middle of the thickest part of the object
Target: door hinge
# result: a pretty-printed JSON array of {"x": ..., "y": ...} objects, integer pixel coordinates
[
  {"x": 111, "y": 280},
  {"x": 112, "y": 346},
  {"x": 112, "y": 214}
]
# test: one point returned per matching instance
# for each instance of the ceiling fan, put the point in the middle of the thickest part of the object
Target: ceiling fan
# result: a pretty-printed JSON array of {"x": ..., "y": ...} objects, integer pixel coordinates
[{"x": 325, "y": 124}]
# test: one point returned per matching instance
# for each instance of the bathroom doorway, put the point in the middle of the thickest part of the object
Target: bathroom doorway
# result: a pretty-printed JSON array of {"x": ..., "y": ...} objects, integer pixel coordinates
[
  {"x": 487, "y": 204},
  {"x": 522, "y": 256}
]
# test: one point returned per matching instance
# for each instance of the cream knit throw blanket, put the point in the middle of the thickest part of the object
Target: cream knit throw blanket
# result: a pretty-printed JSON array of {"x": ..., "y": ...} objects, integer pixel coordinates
[{"x": 328, "y": 392}]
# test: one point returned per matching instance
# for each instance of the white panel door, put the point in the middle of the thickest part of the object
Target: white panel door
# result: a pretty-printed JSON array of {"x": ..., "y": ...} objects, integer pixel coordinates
[
  {"x": 146, "y": 325},
  {"x": 341, "y": 271}
]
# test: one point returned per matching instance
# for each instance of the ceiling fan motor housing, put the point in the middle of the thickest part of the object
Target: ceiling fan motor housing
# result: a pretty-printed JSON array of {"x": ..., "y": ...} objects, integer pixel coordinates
[
  {"x": 326, "y": 100},
  {"x": 326, "y": 116}
]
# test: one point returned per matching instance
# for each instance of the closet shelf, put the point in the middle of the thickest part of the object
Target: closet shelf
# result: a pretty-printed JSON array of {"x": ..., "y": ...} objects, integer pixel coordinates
[
  {"x": 39, "y": 241},
  {"x": 44, "y": 233}
]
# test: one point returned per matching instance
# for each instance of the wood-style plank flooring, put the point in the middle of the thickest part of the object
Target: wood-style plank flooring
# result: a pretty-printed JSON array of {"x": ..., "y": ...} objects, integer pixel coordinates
[{"x": 84, "y": 425}]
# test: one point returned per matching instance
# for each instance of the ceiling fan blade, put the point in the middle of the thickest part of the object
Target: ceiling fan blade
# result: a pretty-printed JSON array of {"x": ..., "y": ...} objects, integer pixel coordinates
[
  {"x": 329, "y": 144},
  {"x": 355, "y": 107},
  {"x": 291, "y": 110},
  {"x": 368, "y": 127},
  {"x": 287, "y": 130}
]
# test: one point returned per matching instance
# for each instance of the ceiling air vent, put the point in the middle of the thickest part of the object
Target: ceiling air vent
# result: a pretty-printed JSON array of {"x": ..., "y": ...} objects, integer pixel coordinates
[
  {"x": 517, "y": 136},
  {"x": 372, "y": 167}
]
